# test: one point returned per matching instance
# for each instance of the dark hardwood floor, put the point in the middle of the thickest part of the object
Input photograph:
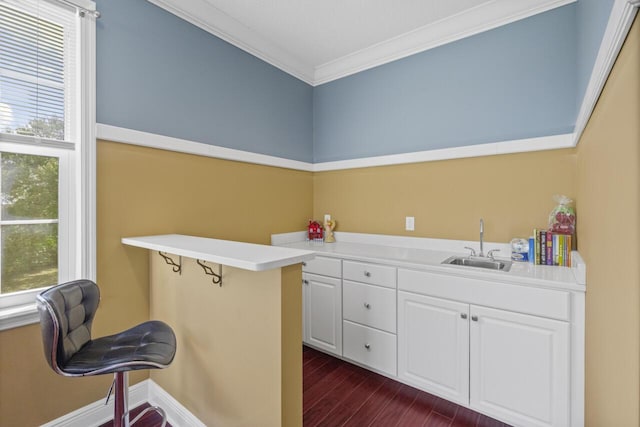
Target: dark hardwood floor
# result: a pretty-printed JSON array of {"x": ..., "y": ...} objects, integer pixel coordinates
[{"x": 338, "y": 394}]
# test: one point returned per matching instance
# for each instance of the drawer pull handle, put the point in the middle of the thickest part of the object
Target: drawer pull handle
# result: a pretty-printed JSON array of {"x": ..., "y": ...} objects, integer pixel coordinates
[
  {"x": 463, "y": 315},
  {"x": 367, "y": 305},
  {"x": 474, "y": 318},
  {"x": 366, "y": 273},
  {"x": 367, "y": 346}
]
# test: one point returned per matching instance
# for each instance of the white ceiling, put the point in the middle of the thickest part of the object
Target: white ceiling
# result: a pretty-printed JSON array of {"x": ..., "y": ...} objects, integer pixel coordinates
[{"x": 323, "y": 40}]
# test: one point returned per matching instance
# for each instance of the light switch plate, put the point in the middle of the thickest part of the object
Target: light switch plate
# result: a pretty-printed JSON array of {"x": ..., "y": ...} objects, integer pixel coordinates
[
  {"x": 410, "y": 223},
  {"x": 327, "y": 217}
]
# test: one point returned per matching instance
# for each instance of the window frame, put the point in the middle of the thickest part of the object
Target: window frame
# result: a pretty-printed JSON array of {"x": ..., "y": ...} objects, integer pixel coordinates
[
  {"x": 77, "y": 185},
  {"x": 66, "y": 217}
]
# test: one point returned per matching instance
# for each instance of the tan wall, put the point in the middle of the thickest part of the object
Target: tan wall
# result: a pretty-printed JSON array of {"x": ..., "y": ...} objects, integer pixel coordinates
[
  {"x": 30, "y": 392},
  {"x": 513, "y": 193},
  {"x": 291, "y": 363},
  {"x": 145, "y": 191},
  {"x": 609, "y": 241},
  {"x": 232, "y": 342}
]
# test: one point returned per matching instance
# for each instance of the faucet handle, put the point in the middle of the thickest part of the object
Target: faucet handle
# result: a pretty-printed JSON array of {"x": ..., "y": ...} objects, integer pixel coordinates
[
  {"x": 490, "y": 253},
  {"x": 473, "y": 251}
]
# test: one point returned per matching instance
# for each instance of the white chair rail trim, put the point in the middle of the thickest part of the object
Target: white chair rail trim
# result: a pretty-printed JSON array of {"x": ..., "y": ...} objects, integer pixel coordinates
[{"x": 151, "y": 140}]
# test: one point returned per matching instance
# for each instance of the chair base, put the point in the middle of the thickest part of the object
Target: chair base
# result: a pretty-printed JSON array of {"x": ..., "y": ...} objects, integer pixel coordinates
[{"x": 121, "y": 403}]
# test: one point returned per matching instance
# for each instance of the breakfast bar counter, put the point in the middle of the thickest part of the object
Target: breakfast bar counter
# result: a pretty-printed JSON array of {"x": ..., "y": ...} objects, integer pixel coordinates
[
  {"x": 248, "y": 256},
  {"x": 239, "y": 358}
]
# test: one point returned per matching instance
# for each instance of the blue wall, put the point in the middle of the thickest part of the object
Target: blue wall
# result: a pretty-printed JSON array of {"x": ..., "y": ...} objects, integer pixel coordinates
[
  {"x": 160, "y": 74},
  {"x": 516, "y": 81},
  {"x": 157, "y": 73},
  {"x": 592, "y": 18}
]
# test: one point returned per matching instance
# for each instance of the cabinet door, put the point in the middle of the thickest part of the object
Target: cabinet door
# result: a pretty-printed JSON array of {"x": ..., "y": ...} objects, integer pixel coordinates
[
  {"x": 519, "y": 367},
  {"x": 305, "y": 309},
  {"x": 323, "y": 313},
  {"x": 433, "y": 345}
]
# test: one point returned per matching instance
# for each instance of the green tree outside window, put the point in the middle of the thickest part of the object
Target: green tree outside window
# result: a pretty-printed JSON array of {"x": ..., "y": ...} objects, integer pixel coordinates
[{"x": 29, "y": 252}]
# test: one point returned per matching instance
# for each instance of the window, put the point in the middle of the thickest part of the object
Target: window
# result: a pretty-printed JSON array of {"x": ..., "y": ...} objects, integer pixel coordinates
[{"x": 47, "y": 146}]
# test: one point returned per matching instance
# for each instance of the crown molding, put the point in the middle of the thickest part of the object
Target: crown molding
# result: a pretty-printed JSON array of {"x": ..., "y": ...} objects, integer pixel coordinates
[
  {"x": 622, "y": 15},
  {"x": 468, "y": 23},
  {"x": 473, "y": 21},
  {"x": 232, "y": 31}
]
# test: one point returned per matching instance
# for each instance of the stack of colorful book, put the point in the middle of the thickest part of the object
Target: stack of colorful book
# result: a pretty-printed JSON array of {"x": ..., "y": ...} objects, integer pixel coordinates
[{"x": 552, "y": 248}]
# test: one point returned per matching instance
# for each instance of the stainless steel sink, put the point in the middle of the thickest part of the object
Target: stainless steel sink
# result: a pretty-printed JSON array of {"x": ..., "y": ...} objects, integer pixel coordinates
[{"x": 488, "y": 263}]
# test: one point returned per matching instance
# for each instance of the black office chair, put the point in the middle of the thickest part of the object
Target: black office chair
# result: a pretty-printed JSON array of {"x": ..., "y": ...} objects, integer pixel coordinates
[{"x": 66, "y": 314}]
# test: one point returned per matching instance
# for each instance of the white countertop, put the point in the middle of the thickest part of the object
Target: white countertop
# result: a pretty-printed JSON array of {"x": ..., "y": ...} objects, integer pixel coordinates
[
  {"x": 428, "y": 254},
  {"x": 248, "y": 256}
]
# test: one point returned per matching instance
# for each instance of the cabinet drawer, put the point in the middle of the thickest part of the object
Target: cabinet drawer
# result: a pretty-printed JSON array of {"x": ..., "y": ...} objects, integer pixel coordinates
[
  {"x": 374, "y": 274},
  {"x": 370, "y": 305},
  {"x": 370, "y": 347},
  {"x": 323, "y": 265}
]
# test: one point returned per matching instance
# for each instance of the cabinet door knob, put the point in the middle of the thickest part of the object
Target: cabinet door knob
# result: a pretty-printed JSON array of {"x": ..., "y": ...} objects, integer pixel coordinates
[
  {"x": 367, "y": 346},
  {"x": 474, "y": 318},
  {"x": 366, "y": 273},
  {"x": 463, "y": 315},
  {"x": 304, "y": 264},
  {"x": 367, "y": 305},
  {"x": 306, "y": 282}
]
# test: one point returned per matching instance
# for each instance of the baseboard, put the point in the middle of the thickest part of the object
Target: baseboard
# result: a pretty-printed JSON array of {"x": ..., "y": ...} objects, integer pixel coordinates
[
  {"x": 97, "y": 413},
  {"x": 177, "y": 414}
]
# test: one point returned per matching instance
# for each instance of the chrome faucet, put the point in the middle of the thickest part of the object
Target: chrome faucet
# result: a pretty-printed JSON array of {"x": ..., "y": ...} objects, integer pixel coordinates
[{"x": 481, "y": 237}]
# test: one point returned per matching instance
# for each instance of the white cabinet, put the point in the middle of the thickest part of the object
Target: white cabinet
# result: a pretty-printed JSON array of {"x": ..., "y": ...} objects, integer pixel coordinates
[
  {"x": 324, "y": 266},
  {"x": 509, "y": 345},
  {"x": 323, "y": 312},
  {"x": 373, "y": 274},
  {"x": 322, "y": 304},
  {"x": 508, "y": 365},
  {"x": 519, "y": 367},
  {"x": 369, "y": 305},
  {"x": 370, "y": 347},
  {"x": 369, "y": 313},
  {"x": 433, "y": 345}
]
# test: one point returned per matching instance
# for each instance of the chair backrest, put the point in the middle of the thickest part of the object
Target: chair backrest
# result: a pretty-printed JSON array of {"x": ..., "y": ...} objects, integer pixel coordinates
[{"x": 66, "y": 313}]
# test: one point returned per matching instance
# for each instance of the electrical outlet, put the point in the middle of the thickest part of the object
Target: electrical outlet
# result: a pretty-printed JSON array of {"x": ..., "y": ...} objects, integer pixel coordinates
[{"x": 410, "y": 223}]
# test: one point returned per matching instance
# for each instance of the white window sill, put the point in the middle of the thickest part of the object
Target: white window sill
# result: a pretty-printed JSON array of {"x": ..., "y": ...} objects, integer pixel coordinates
[{"x": 21, "y": 315}]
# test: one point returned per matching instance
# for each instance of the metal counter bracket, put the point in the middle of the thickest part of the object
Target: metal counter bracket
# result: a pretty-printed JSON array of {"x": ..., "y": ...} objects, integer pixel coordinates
[
  {"x": 177, "y": 268},
  {"x": 217, "y": 278}
]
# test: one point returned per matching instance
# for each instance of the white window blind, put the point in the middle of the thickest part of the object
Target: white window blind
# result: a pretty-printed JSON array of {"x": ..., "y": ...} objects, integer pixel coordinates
[{"x": 38, "y": 42}]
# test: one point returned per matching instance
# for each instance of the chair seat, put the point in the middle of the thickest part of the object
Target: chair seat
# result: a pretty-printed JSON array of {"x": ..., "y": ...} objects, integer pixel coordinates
[{"x": 146, "y": 346}]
